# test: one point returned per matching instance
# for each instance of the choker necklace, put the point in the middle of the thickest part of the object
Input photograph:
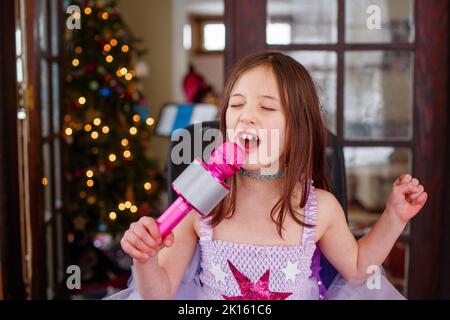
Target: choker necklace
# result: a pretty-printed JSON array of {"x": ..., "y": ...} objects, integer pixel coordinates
[{"x": 258, "y": 176}]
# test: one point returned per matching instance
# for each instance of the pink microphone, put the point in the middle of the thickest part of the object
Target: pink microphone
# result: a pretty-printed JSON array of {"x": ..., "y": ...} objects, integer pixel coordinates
[{"x": 201, "y": 186}]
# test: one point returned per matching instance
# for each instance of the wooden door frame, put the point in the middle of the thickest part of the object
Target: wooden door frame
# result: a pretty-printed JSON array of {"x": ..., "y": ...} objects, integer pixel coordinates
[
  {"x": 36, "y": 195},
  {"x": 430, "y": 157},
  {"x": 10, "y": 240},
  {"x": 245, "y": 24}
]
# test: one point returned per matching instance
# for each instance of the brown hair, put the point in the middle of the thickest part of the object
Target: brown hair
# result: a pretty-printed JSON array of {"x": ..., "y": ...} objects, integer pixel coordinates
[{"x": 306, "y": 134}]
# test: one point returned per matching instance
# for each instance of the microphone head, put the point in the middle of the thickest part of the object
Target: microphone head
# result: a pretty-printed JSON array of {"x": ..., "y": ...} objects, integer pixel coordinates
[{"x": 228, "y": 158}]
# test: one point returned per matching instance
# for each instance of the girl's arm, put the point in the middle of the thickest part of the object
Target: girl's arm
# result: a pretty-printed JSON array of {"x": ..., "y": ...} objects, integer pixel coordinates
[
  {"x": 352, "y": 258},
  {"x": 159, "y": 276}
]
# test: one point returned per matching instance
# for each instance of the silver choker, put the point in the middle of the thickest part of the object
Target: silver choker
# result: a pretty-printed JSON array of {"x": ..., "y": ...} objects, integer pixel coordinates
[{"x": 258, "y": 176}]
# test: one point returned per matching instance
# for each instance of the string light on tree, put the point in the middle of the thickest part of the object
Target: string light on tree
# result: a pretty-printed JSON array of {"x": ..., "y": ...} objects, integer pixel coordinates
[
  {"x": 82, "y": 100},
  {"x": 105, "y": 129},
  {"x": 127, "y": 154},
  {"x": 121, "y": 206},
  {"x": 90, "y": 183},
  {"x": 112, "y": 216},
  {"x": 133, "y": 131},
  {"x": 97, "y": 121},
  {"x": 109, "y": 58},
  {"x": 124, "y": 142},
  {"x": 150, "y": 121},
  {"x": 87, "y": 11},
  {"x": 133, "y": 209},
  {"x": 123, "y": 71},
  {"x": 113, "y": 42},
  {"x": 94, "y": 135},
  {"x": 147, "y": 186},
  {"x": 91, "y": 200},
  {"x": 89, "y": 173},
  {"x": 112, "y": 157},
  {"x": 87, "y": 127},
  {"x": 76, "y": 15},
  {"x": 68, "y": 131},
  {"x": 125, "y": 48},
  {"x": 75, "y": 62}
]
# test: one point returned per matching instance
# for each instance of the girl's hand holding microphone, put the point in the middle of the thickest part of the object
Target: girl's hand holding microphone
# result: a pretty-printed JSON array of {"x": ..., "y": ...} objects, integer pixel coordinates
[{"x": 143, "y": 240}]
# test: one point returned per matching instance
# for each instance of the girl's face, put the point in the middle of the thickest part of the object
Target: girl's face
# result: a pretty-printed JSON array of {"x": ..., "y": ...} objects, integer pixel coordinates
[{"x": 256, "y": 121}]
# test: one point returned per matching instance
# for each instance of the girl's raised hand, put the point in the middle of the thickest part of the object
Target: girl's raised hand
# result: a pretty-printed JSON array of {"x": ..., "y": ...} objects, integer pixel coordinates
[{"x": 406, "y": 198}]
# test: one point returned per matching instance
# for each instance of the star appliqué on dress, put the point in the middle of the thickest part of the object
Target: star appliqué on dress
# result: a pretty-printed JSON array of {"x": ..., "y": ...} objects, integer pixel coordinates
[
  {"x": 218, "y": 273},
  {"x": 291, "y": 271},
  {"x": 255, "y": 291}
]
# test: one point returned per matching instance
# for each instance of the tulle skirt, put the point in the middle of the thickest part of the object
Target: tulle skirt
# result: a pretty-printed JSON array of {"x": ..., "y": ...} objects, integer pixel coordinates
[{"x": 340, "y": 289}]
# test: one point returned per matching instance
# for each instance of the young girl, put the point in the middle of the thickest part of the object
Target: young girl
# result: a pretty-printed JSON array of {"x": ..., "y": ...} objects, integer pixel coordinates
[{"x": 262, "y": 241}]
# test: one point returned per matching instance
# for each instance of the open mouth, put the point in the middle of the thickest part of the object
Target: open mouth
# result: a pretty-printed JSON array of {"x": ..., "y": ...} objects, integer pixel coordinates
[{"x": 249, "y": 141}]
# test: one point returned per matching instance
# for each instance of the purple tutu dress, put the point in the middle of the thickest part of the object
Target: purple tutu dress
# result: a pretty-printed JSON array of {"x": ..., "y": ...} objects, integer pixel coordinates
[{"x": 222, "y": 270}]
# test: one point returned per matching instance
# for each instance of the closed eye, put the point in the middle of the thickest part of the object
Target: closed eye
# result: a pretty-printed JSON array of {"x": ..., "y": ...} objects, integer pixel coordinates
[
  {"x": 268, "y": 108},
  {"x": 236, "y": 105}
]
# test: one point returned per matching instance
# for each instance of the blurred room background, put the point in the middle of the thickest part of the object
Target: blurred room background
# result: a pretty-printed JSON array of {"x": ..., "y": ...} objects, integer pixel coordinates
[{"x": 87, "y": 116}]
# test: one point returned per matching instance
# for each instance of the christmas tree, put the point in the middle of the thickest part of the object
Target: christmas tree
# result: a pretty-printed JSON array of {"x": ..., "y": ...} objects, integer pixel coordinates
[{"x": 111, "y": 180}]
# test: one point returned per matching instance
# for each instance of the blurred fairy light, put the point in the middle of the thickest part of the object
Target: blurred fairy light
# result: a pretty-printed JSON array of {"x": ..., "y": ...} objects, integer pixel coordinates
[
  {"x": 133, "y": 131},
  {"x": 89, "y": 173},
  {"x": 112, "y": 216}
]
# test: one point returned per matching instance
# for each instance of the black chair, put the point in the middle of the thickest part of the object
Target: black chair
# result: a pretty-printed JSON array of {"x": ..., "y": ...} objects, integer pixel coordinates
[{"x": 336, "y": 173}]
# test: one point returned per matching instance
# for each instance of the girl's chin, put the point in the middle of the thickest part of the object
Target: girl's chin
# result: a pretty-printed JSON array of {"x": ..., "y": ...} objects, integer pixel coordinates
[{"x": 261, "y": 168}]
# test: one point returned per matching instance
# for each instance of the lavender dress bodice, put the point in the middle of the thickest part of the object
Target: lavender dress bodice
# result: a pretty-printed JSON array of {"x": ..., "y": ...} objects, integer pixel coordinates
[{"x": 235, "y": 271}]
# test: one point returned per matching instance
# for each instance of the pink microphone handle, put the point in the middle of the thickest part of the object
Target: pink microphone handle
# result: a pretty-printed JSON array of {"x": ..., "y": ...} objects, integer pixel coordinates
[{"x": 172, "y": 216}]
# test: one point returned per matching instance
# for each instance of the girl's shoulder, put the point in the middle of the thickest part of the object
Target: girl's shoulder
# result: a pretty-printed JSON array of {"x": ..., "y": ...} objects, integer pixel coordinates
[
  {"x": 195, "y": 220},
  {"x": 328, "y": 210}
]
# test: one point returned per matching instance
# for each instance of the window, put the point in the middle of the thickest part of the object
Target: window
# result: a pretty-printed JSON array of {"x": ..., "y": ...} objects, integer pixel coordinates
[
  {"x": 213, "y": 35},
  {"x": 365, "y": 79}
]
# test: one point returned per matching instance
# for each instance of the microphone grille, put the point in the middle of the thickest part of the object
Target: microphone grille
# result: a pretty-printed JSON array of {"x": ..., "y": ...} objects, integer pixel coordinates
[{"x": 229, "y": 156}]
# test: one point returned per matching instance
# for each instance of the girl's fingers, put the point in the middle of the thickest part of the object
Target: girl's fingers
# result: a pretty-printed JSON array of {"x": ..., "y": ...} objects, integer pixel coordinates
[
  {"x": 415, "y": 195},
  {"x": 143, "y": 234},
  {"x": 404, "y": 178},
  {"x": 421, "y": 200},
  {"x": 414, "y": 182},
  {"x": 138, "y": 243},
  {"x": 406, "y": 188},
  {"x": 169, "y": 240},
  {"x": 133, "y": 251},
  {"x": 153, "y": 228}
]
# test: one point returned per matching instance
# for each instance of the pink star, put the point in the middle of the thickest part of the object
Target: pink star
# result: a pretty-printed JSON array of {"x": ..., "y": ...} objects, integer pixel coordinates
[{"x": 258, "y": 291}]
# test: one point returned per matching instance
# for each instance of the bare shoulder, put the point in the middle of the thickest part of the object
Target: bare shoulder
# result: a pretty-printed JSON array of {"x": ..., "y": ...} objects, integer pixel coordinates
[
  {"x": 328, "y": 211},
  {"x": 195, "y": 221},
  {"x": 189, "y": 226}
]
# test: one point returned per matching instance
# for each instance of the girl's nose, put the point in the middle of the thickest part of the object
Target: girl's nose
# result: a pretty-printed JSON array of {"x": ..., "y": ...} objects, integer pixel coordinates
[{"x": 247, "y": 117}]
